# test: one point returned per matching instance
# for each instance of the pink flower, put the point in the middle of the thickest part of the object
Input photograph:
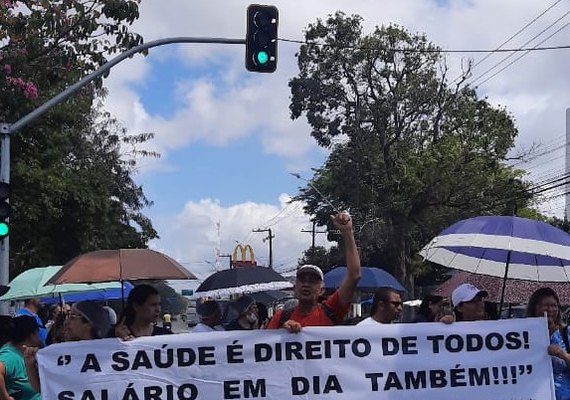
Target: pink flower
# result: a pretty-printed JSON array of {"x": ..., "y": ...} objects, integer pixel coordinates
[
  {"x": 8, "y": 3},
  {"x": 7, "y": 69},
  {"x": 29, "y": 90}
]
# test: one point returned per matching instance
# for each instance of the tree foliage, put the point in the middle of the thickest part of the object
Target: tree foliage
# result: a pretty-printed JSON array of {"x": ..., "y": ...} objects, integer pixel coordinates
[
  {"x": 410, "y": 152},
  {"x": 71, "y": 169},
  {"x": 321, "y": 257}
]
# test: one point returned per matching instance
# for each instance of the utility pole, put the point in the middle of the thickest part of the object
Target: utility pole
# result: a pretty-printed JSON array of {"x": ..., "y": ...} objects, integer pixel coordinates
[
  {"x": 229, "y": 257},
  {"x": 314, "y": 233},
  {"x": 567, "y": 166},
  {"x": 270, "y": 238}
]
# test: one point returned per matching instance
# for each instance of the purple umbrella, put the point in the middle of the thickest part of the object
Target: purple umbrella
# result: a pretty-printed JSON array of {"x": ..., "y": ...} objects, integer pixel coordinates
[{"x": 506, "y": 247}]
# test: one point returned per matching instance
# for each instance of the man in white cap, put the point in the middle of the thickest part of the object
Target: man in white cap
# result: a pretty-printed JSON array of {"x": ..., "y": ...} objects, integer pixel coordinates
[
  {"x": 309, "y": 286},
  {"x": 468, "y": 304}
]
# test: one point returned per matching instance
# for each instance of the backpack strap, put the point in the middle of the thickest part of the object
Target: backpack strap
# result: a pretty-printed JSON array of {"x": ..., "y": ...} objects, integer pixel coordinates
[
  {"x": 564, "y": 334},
  {"x": 329, "y": 313},
  {"x": 287, "y": 311},
  {"x": 290, "y": 307}
]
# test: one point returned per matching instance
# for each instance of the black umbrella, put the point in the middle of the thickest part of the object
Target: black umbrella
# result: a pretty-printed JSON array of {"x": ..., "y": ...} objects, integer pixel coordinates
[
  {"x": 269, "y": 296},
  {"x": 241, "y": 280}
]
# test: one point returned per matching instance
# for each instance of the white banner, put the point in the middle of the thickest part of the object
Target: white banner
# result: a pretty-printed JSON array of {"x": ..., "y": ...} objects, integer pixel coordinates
[{"x": 494, "y": 360}]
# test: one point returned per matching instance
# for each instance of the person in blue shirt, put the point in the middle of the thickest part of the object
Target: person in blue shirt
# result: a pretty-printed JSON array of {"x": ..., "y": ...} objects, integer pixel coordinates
[
  {"x": 545, "y": 300},
  {"x": 31, "y": 309}
]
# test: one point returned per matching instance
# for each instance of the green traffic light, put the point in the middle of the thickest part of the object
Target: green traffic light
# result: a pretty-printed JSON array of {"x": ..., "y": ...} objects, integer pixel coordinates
[
  {"x": 4, "y": 229},
  {"x": 262, "y": 57}
]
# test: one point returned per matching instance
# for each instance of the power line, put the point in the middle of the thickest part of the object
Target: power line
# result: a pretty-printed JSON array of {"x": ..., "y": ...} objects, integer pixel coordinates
[
  {"x": 281, "y": 211},
  {"x": 517, "y": 33},
  {"x": 430, "y": 50},
  {"x": 522, "y": 55},
  {"x": 535, "y": 156},
  {"x": 298, "y": 207}
]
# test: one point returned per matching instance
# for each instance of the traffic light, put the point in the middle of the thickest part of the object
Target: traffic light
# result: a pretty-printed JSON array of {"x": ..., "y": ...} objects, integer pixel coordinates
[
  {"x": 261, "y": 38},
  {"x": 4, "y": 209}
]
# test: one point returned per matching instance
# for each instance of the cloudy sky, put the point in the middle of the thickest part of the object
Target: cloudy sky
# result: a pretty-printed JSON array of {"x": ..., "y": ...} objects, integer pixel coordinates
[{"x": 227, "y": 143}]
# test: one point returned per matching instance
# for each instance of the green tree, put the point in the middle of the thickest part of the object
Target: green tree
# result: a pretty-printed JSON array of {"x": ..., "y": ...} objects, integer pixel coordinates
[
  {"x": 322, "y": 258},
  {"x": 71, "y": 170},
  {"x": 87, "y": 200},
  {"x": 410, "y": 153}
]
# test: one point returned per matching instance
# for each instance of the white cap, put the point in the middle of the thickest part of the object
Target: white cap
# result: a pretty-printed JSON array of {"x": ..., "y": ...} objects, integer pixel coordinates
[
  {"x": 308, "y": 268},
  {"x": 466, "y": 292}
]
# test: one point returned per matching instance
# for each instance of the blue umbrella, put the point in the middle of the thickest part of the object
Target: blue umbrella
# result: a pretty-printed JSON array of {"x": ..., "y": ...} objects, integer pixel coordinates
[
  {"x": 507, "y": 247},
  {"x": 97, "y": 295},
  {"x": 372, "y": 278}
]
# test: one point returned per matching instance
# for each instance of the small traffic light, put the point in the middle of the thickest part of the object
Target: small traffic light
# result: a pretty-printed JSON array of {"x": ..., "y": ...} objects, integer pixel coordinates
[
  {"x": 261, "y": 38},
  {"x": 4, "y": 209}
]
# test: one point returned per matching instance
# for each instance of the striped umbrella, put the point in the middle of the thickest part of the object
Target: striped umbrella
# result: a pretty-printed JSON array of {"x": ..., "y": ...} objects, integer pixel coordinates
[{"x": 503, "y": 246}]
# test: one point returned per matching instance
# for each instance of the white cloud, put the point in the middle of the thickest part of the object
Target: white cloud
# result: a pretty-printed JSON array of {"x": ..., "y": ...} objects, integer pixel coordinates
[
  {"x": 456, "y": 26},
  {"x": 226, "y": 104},
  {"x": 192, "y": 236}
]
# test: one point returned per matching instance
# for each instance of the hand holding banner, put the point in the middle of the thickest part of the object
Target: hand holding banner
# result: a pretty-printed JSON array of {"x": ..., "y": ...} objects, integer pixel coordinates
[{"x": 494, "y": 360}]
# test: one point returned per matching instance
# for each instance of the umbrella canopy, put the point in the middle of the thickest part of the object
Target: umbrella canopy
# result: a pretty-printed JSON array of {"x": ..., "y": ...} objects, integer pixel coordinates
[
  {"x": 241, "y": 280},
  {"x": 97, "y": 295},
  {"x": 120, "y": 265},
  {"x": 516, "y": 290},
  {"x": 269, "y": 296},
  {"x": 510, "y": 247},
  {"x": 32, "y": 284},
  {"x": 372, "y": 278}
]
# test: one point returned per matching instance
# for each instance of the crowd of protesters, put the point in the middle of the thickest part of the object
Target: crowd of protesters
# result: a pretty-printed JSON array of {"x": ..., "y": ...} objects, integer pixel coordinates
[{"x": 22, "y": 335}]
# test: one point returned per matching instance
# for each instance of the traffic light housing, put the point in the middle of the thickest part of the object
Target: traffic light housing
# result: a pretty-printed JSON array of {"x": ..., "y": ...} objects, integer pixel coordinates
[
  {"x": 4, "y": 209},
  {"x": 261, "y": 38}
]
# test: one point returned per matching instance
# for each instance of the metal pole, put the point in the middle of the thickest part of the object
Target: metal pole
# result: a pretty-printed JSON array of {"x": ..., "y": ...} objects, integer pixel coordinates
[
  {"x": 504, "y": 283},
  {"x": 567, "y": 166},
  {"x": 270, "y": 249},
  {"x": 8, "y": 129},
  {"x": 313, "y": 233},
  {"x": 4, "y": 243},
  {"x": 270, "y": 237},
  {"x": 106, "y": 67}
]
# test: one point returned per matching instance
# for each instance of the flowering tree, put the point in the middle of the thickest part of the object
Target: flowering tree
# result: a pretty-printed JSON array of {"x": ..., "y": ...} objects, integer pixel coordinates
[
  {"x": 72, "y": 189},
  {"x": 48, "y": 44}
]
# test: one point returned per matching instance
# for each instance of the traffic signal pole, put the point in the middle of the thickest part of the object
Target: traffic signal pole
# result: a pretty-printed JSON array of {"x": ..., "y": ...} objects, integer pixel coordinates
[
  {"x": 6, "y": 129},
  {"x": 4, "y": 177}
]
